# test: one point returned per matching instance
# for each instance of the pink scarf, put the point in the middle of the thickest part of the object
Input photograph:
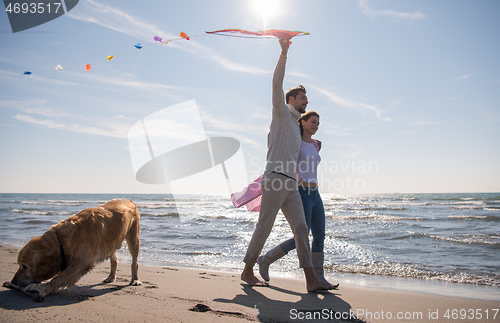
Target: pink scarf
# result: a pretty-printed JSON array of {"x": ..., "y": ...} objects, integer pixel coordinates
[{"x": 251, "y": 195}]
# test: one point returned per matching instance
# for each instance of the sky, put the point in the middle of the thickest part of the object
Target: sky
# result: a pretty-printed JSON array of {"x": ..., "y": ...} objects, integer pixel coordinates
[{"x": 408, "y": 92}]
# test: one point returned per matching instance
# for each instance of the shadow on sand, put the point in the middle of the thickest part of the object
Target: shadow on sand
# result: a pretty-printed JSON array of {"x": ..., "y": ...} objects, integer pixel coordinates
[
  {"x": 15, "y": 300},
  {"x": 312, "y": 307}
]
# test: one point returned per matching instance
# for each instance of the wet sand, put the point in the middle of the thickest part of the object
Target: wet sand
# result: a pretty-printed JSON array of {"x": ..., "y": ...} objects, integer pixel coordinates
[{"x": 171, "y": 294}]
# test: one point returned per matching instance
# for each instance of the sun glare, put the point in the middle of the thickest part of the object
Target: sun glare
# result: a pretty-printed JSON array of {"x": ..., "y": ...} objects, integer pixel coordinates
[{"x": 266, "y": 8}]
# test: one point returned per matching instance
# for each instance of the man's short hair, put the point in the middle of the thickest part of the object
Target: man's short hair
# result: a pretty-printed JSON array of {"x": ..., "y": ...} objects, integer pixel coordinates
[{"x": 293, "y": 92}]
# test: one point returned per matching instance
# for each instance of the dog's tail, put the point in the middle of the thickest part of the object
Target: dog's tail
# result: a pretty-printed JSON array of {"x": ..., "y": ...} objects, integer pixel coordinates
[{"x": 136, "y": 211}]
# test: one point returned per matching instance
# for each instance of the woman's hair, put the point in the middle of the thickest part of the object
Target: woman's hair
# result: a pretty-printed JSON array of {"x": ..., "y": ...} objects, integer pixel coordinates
[{"x": 306, "y": 117}]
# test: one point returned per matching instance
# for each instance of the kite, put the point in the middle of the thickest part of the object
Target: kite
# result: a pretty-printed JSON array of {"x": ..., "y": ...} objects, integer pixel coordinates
[
  {"x": 138, "y": 46},
  {"x": 87, "y": 68},
  {"x": 184, "y": 35},
  {"x": 27, "y": 73},
  {"x": 163, "y": 42},
  {"x": 59, "y": 67},
  {"x": 110, "y": 57},
  {"x": 284, "y": 34}
]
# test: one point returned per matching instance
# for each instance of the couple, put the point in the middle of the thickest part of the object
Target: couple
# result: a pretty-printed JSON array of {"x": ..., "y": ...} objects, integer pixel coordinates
[{"x": 288, "y": 146}]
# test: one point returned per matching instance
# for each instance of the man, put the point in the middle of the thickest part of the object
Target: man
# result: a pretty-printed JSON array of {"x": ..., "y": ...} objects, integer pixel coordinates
[{"x": 279, "y": 187}]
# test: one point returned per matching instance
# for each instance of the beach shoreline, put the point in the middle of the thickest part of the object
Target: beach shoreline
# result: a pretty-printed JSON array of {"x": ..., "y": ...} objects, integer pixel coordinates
[
  {"x": 178, "y": 294},
  {"x": 389, "y": 283}
]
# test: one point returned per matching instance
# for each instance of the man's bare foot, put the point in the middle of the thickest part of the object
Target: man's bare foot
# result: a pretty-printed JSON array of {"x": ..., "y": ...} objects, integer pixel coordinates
[
  {"x": 319, "y": 285},
  {"x": 314, "y": 284},
  {"x": 248, "y": 277}
]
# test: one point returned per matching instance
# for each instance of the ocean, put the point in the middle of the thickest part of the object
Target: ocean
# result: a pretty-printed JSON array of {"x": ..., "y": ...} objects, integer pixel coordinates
[{"x": 446, "y": 243}]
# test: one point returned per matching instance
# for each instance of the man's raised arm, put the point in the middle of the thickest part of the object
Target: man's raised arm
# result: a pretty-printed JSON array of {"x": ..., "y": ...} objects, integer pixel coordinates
[{"x": 278, "y": 77}]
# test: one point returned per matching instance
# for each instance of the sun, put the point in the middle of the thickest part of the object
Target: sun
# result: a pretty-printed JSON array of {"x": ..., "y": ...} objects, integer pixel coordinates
[{"x": 267, "y": 8}]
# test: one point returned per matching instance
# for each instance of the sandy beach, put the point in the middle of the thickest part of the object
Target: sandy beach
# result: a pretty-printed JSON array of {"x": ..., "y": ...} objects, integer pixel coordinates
[{"x": 196, "y": 295}]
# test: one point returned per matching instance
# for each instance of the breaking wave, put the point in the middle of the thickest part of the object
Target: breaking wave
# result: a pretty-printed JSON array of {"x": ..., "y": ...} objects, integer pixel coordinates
[{"x": 399, "y": 270}]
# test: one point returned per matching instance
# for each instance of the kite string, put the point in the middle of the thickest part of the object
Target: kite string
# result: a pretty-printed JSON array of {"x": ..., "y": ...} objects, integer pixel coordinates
[
  {"x": 183, "y": 35},
  {"x": 103, "y": 60},
  {"x": 241, "y": 36}
]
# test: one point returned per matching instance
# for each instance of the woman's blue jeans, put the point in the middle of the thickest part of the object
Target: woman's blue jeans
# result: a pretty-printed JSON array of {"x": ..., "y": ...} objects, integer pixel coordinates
[{"x": 315, "y": 219}]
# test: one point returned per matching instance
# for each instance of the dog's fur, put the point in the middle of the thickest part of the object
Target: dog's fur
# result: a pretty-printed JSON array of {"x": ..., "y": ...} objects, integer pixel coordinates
[{"x": 84, "y": 239}]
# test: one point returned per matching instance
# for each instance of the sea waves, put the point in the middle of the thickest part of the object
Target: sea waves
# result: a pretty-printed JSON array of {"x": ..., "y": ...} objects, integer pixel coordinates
[
  {"x": 410, "y": 271},
  {"x": 445, "y": 237}
]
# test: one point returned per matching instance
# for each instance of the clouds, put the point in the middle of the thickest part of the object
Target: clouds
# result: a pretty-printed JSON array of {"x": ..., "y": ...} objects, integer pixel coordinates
[
  {"x": 374, "y": 13},
  {"x": 209, "y": 54},
  {"x": 244, "y": 132},
  {"x": 39, "y": 113},
  {"x": 349, "y": 150},
  {"x": 116, "y": 19},
  {"x": 352, "y": 104},
  {"x": 92, "y": 130},
  {"x": 461, "y": 78},
  {"x": 424, "y": 122},
  {"x": 22, "y": 104},
  {"x": 122, "y": 22},
  {"x": 128, "y": 82}
]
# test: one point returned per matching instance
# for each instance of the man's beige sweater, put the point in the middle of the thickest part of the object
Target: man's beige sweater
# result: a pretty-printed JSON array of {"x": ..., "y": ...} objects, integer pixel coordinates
[{"x": 284, "y": 137}]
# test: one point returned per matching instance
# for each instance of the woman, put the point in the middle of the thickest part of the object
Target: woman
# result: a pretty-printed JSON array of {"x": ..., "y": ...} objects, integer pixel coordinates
[{"x": 307, "y": 165}]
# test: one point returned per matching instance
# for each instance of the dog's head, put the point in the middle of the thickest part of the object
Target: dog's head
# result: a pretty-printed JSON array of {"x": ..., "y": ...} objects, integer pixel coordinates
[{"x": 37, "y": 262}]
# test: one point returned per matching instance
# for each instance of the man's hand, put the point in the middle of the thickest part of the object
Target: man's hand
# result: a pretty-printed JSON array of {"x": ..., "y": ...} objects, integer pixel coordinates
[{"x": 285, "y": 44}]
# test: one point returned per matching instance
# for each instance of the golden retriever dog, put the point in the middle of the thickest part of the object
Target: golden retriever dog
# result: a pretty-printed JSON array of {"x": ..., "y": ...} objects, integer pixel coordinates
[{"x": 71, "y": 248}]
